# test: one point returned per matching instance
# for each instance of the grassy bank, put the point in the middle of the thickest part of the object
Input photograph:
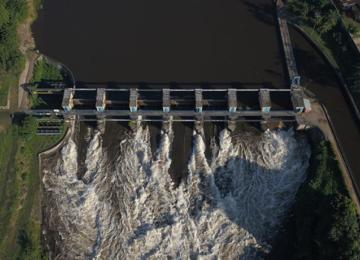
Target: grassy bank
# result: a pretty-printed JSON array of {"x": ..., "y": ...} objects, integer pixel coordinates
[
  {"x": 12, "y": 13},
  {"x": 324, "y": 223},
  {"x": 322, "y": 23},
  {"x": 20, "y": 184},
  {"x": 20, "y": 213},
  {"x": 45, "y": 72}
]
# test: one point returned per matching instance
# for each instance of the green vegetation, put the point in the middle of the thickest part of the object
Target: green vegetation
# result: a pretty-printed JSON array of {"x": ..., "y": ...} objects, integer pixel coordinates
[
  {"x": 20, "y": 182},
  {"x": 352, "y": 26},
  {"x": 324, "y": 222},
  {"x": 20, "y": 186},
  {"x": 324, "y": 25},
  {"x": 12, "y": 12},
  {"x": 320, "y": 14},
  {"x": 45, "y": 71}
]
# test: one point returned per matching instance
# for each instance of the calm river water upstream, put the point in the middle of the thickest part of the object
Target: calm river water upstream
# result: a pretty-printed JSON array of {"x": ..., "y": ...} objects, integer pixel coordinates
[{"x": 162, "y": 41}]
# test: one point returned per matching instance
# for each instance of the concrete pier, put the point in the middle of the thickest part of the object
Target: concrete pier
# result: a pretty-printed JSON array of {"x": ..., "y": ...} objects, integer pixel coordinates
[
  {"x": 297, "y": 99},
  {"x": 100, "y": 99},
  {"x": 68, "y": 99},
  {"x": 133, "y": 102},
  {"x": 232, "y": 100},
  {"x": 198, "y": 101},
  {"x": 264, "y": 100},
  {"x": 166, "y": 100}
]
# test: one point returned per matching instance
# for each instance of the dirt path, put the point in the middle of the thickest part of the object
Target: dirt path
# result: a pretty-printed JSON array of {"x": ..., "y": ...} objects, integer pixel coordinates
[{"x": 27, "y": 47}]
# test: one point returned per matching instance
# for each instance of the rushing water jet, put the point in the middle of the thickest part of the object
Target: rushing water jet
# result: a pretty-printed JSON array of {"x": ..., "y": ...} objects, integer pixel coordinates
[{"x": 228, "y": 206}]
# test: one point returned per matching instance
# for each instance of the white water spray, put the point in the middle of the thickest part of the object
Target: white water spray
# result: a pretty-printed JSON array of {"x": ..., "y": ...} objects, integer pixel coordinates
[{"x": 227, "y": 208}]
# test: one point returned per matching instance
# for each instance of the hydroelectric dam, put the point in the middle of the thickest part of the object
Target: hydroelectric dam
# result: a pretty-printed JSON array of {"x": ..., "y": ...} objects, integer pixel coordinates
[
  {"x": 199, "y": 191},
  {"x": 117, "y": 104},
  {"x": 221, "y": 102}
]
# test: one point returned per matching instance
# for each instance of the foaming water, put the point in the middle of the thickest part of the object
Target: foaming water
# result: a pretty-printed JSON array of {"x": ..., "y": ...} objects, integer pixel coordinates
[{"x": 127, "y": 208}]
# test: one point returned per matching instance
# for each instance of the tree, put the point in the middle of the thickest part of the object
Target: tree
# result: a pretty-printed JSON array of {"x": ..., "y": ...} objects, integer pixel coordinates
[
  {"x": 4, "y": 14},
  {"x": 345, "y": 230},
  {"x": 328, "y": 21}
]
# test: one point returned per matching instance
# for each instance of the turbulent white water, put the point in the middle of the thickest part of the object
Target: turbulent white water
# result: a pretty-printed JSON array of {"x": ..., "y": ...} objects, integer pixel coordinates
[{"x": 127, "y": 208}]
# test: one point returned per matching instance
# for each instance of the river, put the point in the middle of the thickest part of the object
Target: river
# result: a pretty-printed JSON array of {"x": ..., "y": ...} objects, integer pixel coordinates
[
  {"x": 111, "y": 195},
  {"x": 320, "y": 79},
  {"x": 138, "y": 41},
  {"x": 162, "y": 41},
  {"x": 124, "y": 206}
]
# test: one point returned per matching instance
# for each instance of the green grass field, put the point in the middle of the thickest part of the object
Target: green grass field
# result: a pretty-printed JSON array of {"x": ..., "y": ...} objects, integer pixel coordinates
[
  {"x": 20, "y": 180},
  {"x": 20, "y": 189}
]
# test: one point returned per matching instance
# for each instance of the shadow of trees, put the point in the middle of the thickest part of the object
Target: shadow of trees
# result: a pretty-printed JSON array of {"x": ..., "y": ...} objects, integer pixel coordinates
[{"x": 323, "y": 223}]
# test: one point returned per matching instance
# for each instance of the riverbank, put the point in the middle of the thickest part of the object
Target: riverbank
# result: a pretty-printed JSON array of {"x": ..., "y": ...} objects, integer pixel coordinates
[
  {"x": 20, "y": 196},
  {"x": 320, "y": 119},
  {"x": 27, "y": 47},
  {"x": 20, "y": 182},
  {"x": 17, "y": 51},
  {"x": 336, "y": 113},
  {"x": 323, "y": 223}
]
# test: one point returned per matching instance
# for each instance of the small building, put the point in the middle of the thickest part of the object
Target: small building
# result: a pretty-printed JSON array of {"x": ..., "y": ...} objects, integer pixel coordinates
[
  {"x": 166, "y": 100},
  {"x": 198, "y": 101},
  {"x": 232, "y": 100},
  {"x": 100, "y": 99},
  {"x": 133, "y": 102},
  {"x": 297, "y": 98},
  {"x": 264, "y": 100},
  {"x": 68, "y": 99}
]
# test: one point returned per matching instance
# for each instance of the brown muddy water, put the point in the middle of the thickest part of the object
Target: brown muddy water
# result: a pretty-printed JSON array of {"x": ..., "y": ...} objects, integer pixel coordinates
[
  {"x": 186, "y": 41},
  {"x": 163, "y": 41},
  {"x": 124, "y": 41}
]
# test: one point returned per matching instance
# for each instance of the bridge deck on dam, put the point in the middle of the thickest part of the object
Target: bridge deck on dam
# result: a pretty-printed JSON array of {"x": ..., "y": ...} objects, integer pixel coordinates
[{"x": 179, "y": 104}]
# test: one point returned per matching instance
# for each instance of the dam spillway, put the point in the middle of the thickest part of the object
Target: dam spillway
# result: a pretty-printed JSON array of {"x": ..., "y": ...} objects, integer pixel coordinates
[
  {"x": 229, "y": 205},
  {"x": 226, "y": 104}
]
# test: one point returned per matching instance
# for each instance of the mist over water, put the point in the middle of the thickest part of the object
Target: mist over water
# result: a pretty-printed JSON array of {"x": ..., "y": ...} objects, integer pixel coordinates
[{"x": 229, "y": 206}]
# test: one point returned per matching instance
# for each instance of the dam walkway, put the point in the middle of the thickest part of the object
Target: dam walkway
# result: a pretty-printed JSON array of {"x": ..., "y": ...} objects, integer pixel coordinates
[{"x": 179, "y": 104}]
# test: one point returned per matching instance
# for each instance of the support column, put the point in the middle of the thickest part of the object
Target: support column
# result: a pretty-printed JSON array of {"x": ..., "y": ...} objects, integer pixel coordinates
[
  {"x": 301, "y": 123},
  {"x": 198, "y": 100},
  {"x": 167, "y": 122},
  {"x": 100, "y": 99},
  {"x": 166, "y": 100},
  {"x": 133, "y": 102},
  {"x": 199, "y": 125},
  {"x": 297, "y": 98},
  {"x": 232, "y": 122},
  {"x": 101, "y": 123},
  {"x": 264, "y": 100},
  {"x": 232, "y": 100},
  {"x": 68, "y": 99}
]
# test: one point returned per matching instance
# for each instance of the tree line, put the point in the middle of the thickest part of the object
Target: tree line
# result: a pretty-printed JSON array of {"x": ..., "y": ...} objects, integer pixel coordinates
[
  {"x": 322, "y": 18},
  {"x": 12, "y": 12},
  {"x": 324, "y": 222}
]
